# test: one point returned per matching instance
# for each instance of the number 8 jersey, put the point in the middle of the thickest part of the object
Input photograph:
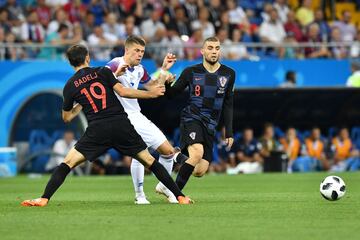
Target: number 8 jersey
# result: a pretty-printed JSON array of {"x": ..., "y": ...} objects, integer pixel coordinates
[
  {"x": 210, "y": 95},
  {"x": 92, "y": 88}
]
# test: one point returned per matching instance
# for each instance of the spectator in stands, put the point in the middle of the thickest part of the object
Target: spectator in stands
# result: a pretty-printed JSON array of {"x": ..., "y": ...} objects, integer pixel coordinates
[
  {"x": 4, "y": 20},
  {"x": 113, "y": 6},
  {"x": 247, "y": 153},
  {"x": 112, "y": 26},
  {"x": 192, "y": 49},
  {"x": 225, "y": 23},
  {"x": 44, "y": 13},
  {"x": 130, "y": 28},
  {"x": 181, "y": 22},
  {"x": 265, "y": 14},
  {"x": 169, "y": 13},
  {"x": 59, "y": 40},
  {"x": 173, "y": 42},
  {"x": 305, "y": 14},
  {"x": 237, "y": 50},
  {"x": 268, "y": 143},
  {"x": 56, "y": 3},
  {"x": 272, "y": 31},
  {"x": 293, "y": 26},
  {"x": 60, "y": 18},
  {"x": 149, "y": 27},
  {"x": 354, "y": 79},
  {"x": 98, "y": 40},
  {"x": 282, "y": 9},
  {"x": 2, "y": 41},
  {"x": 347, "y": 29},
  {"x": 317, "y": 50},
  {"x": 324, "y": 29},
  {"x": 215, "y": 10},
  {"x": 88, "y": 25},
  {"x": 355, "y": 46},
  {"x": 290, "y": 80},
  {"x": 313, "y": 155},
  {"x": 31, "y": 30},
  {"x": 291, "y": 146},
  {"x": 237, "y": 15},
  {"x": 98, "y": 8},
  {"x": 76, "y": 10},
  {"x": 339, "y": 51},
  {"x": 191, "y": 10},
  {"x": 11, "y": 52},
  {"x": 208, "y": 29},
  {"x": 225, "y": 42},
  {"x": 291, "y": 49},
  {"x": 60, "y": 149},
  {"x": 345, "y": 156},
  {"x": 16, "y": 13}
]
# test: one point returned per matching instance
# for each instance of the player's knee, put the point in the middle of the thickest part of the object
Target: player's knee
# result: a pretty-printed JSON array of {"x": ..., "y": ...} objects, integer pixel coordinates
[
  {"x": 70, "y": 163},
  {"x": 199, "y": 173}
]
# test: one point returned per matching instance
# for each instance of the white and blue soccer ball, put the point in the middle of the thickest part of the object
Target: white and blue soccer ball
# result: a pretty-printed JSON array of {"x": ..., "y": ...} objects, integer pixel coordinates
[{"x": 332, "y": 188}]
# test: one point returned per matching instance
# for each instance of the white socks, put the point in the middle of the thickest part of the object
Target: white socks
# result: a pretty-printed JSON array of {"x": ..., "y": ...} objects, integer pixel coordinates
[
  {"x": 167, "y": 162},
  {"x": 137, "y": 173}
]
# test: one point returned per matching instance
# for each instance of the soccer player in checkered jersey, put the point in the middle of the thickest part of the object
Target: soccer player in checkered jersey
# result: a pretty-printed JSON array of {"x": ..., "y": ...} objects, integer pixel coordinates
[
  {"x": 134, "y": 75},
  {"x": 211, "y": 87}
]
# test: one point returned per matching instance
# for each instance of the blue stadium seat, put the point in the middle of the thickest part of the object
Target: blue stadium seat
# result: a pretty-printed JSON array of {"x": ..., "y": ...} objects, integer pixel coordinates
[
  {"x": 39, "y": 141},
  {"x": 279, "y": 133}
]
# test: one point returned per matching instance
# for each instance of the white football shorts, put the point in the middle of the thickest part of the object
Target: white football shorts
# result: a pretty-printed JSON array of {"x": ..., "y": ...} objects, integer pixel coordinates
[{"x": 149, "y": 132}]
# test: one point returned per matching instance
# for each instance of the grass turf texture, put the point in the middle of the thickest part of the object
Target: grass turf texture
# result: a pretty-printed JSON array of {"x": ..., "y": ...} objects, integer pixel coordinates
[{"x": 268, "y": 206}]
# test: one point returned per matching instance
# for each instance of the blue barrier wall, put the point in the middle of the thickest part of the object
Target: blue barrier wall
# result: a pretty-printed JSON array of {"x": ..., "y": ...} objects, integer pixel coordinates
[{"x": 19, "y": 81}]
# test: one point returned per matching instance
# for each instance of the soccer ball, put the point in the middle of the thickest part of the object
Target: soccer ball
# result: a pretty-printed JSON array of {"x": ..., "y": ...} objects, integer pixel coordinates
[{"x": 332, "y": 188}]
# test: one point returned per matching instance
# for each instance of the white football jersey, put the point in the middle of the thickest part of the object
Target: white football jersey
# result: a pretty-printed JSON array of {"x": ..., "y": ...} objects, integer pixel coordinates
[{"x": 130, "y": 79}]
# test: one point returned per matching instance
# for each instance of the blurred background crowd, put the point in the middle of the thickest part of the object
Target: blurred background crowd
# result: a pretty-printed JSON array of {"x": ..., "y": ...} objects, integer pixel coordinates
[
  {"x": 248, "y": 29},
  {"x": 252, "y": 30}
]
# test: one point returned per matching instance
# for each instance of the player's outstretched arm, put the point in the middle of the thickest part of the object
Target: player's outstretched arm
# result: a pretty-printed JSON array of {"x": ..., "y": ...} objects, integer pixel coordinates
[
  {"x": 153, "y": 92},
  {"x": 70, "y": 115}
]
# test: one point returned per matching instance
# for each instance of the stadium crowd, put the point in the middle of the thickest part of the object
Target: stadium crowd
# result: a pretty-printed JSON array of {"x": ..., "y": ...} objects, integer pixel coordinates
[
  {"x": 296, "y": 30},
  {"x": 254, "y": 151}
]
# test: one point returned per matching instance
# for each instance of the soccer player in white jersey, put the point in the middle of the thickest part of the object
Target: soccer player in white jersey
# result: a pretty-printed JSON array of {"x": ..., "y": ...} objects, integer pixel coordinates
[{"x": 134, "y": 74}]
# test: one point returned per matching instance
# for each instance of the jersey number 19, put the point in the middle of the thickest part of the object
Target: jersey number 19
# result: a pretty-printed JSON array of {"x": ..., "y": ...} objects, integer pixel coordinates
[{"x": 101, "y": 96}]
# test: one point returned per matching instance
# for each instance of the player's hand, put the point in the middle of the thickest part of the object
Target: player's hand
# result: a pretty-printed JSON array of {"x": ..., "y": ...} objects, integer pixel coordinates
[
  {"x": 121, "y": 69},
  {"x": 157, "y": 91},
  {"x": 169, "y": 61},
  {"x": 170, "y": 78},
  {"x": 229, "y": 142}
]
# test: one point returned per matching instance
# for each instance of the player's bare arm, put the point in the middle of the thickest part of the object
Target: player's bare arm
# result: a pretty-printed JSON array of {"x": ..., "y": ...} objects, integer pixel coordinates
[
  {"x": 70, "y": 115},
  {"x": 168, "y": 62},
  {"x": 154, "y": 92}
]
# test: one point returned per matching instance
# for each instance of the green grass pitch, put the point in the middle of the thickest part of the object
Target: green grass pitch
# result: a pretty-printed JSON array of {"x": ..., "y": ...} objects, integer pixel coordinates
[{"x": 267, "y": 206}]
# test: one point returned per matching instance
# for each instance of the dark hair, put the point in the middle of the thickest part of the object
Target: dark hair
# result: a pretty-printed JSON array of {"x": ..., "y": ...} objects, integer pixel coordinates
[
  {"x": 62, "y": 26},
  {"x": 211, "y": 39},
  {"x": 77, "y": 54},
  {"x": 134, "y": 40},
  {"x": 290, "y": 76}
]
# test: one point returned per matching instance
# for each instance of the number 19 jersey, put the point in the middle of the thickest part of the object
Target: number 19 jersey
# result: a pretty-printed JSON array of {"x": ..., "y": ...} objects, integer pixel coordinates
[{"x": 92, "y": 88}]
